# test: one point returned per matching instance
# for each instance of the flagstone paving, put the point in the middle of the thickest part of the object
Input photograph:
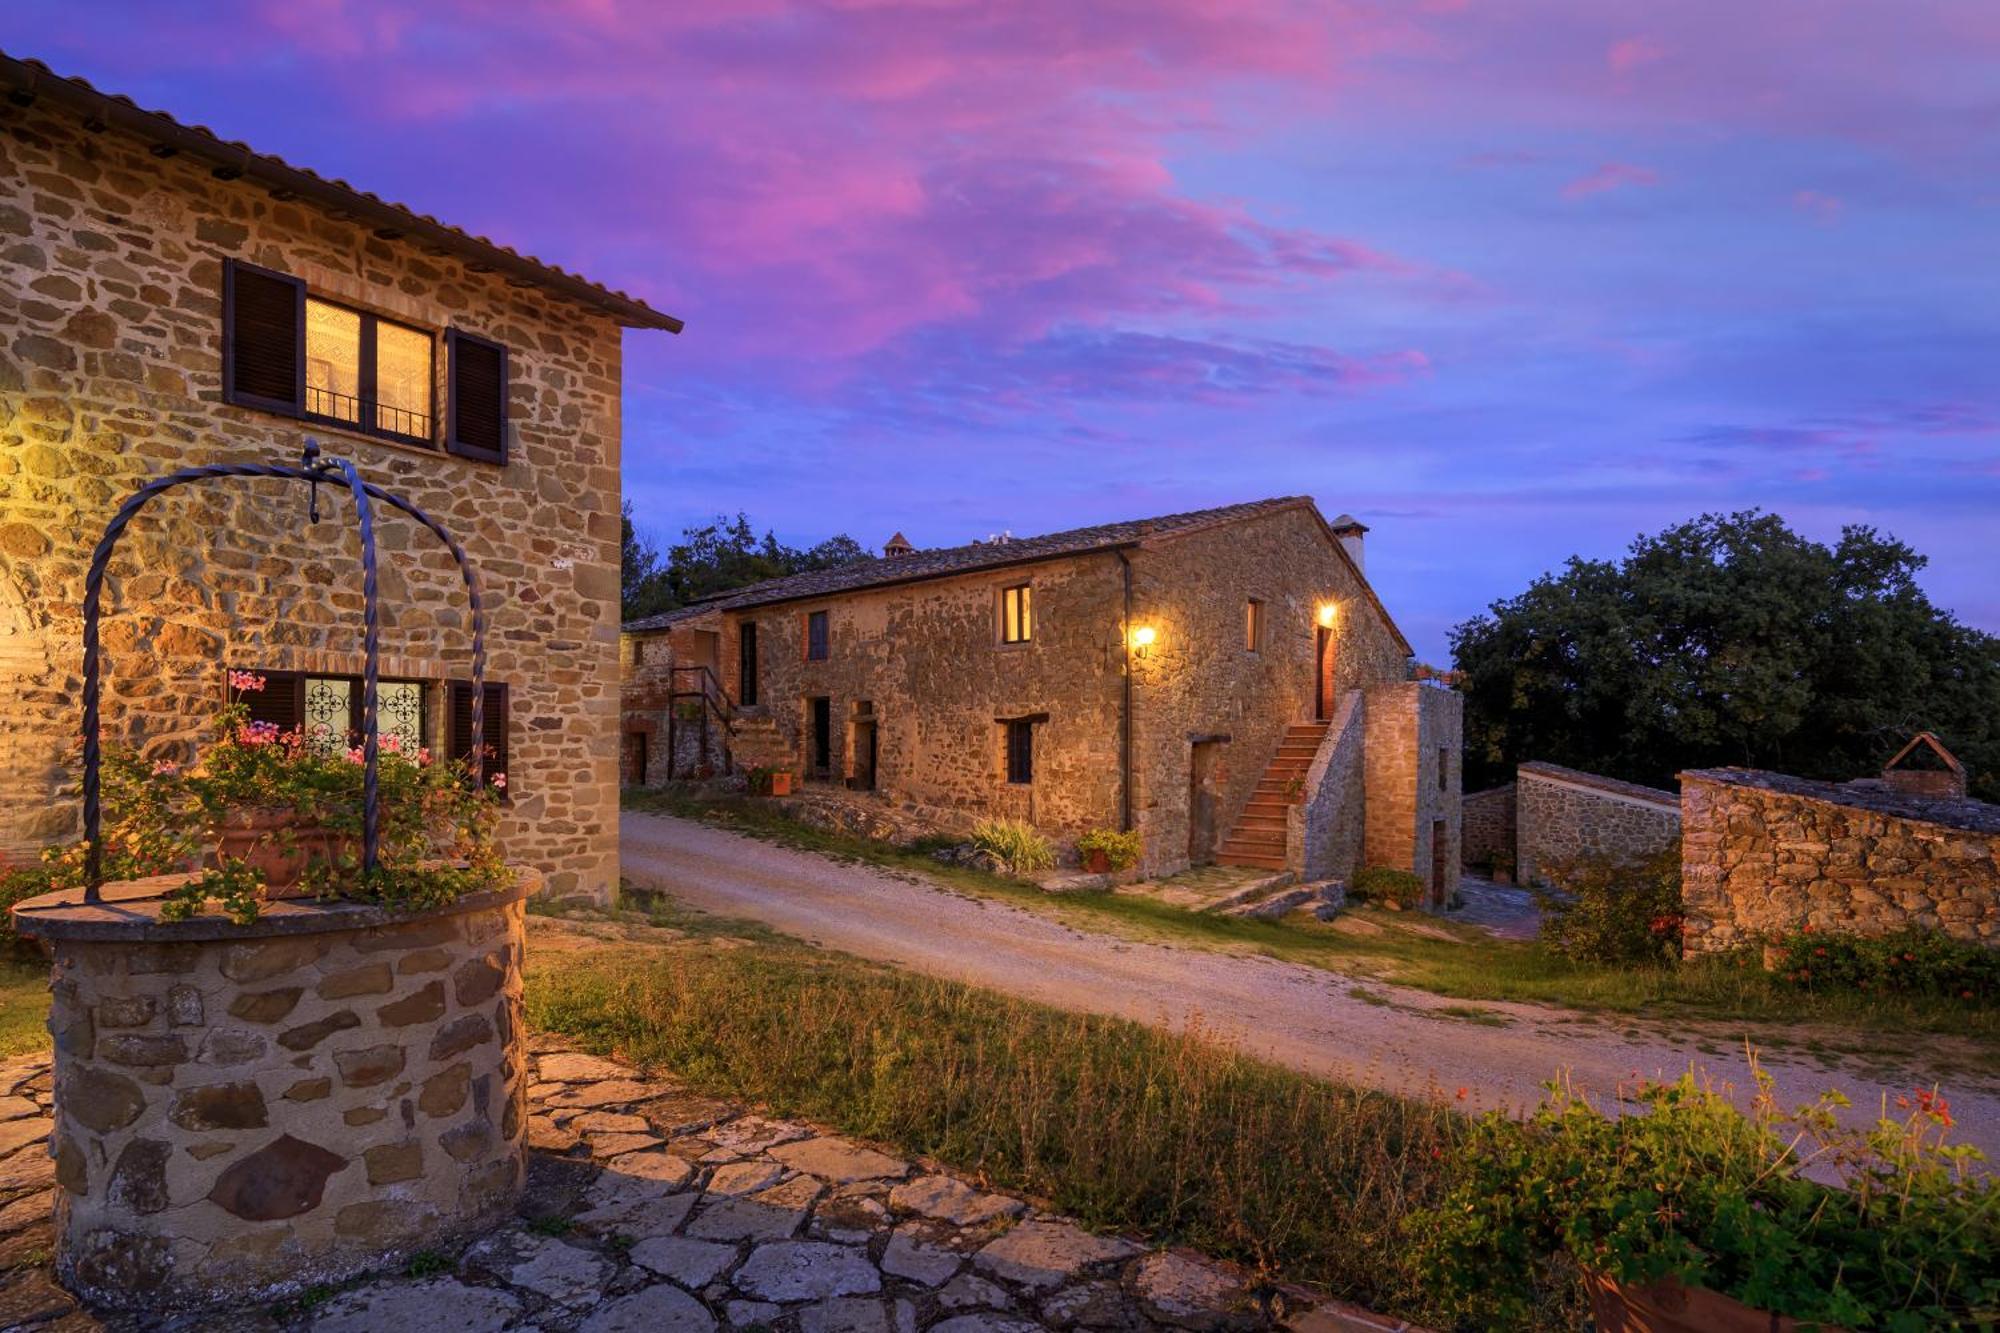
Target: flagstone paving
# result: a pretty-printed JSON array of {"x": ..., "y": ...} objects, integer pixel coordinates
[{"x": 654, "y": 1210}]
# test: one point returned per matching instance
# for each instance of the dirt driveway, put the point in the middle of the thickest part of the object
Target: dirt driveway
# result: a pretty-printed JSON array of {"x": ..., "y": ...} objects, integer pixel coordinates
[{"x": 1297, "y": 1015}]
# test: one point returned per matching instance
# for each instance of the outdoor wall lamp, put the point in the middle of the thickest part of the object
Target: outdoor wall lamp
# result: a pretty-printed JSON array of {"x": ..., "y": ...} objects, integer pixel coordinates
[
  {"x": 1327, "y": 612},
  {"x": 1142, "y": 640}
]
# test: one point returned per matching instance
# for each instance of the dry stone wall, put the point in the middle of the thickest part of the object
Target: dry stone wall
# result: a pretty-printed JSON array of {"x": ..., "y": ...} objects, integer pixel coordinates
[
  {"x": 1563, "y": 813},
  {"x": 1489, "y": 827},
  {"x": 1763, "y": 853},
  {"x": 241, "y": 1118},
  {"x": 1325, "y": 831},
  {"x": 111, "y": 263}
]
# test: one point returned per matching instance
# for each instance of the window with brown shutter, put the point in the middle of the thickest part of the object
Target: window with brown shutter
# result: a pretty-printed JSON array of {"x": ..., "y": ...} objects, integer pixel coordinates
[
  {"x": 328, "y": 708},
  {"x": 476, "y": 417},
  {"x": 263, "y": 338},
  {"x": 494, "y": 726},
  {"x": 281, "y": 702}
]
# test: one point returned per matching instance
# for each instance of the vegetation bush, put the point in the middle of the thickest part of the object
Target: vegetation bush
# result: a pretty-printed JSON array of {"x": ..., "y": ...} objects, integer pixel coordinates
[
  {"x": 1113, "y": 1122},
  {"x": 1905, "y": 1238},
  {"x": 1606, "y": 910},
  {"x": 1120, "y": 849},
  {"x": 1388, "y": 886},
  {"x": 1912, "y": 961},
  {"x": 18, "y": 883},
  {"x": 1015, "y": 845}
]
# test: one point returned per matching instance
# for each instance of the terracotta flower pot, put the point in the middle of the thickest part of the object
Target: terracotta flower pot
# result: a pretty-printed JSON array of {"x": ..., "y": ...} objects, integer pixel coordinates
[
  {"x": 781, "y": 784},
  {"x": 280, "y": 845},
  {"x": 1666, "y": 1306},
  {"x": 1097, "y": 862}
]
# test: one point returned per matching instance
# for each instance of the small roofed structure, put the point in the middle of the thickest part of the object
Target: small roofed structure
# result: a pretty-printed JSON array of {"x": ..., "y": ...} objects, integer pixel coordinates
[
  {"x": 1925, "y": 768},
  {"x": 896, "y": 546}
]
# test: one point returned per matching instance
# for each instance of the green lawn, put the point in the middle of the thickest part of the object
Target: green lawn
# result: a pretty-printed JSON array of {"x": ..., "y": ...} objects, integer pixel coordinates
[
  {"x": 1116, "y": 1123},
  {"x": 24, "y": 1006},
  {"x": 1471, "y": 965}
]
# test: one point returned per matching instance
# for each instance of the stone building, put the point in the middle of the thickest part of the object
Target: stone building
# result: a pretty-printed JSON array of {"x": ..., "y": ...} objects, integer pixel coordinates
[
  {"x": 1563, "y": 813},
  {"x": 1226, "y": 682},
  {"x": 1765, "y": 853},
  {"x": 173, "y": 299}
]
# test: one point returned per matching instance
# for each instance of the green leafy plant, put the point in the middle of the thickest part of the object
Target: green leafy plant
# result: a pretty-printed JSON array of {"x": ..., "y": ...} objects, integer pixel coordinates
[
  {"x": 436, "y": 827},
  {"x": 1904, "y": 1237},
  {"x": 759, "y": 780},
  {"x": 1606, "y": 910},
  {"x": 1911, "y": 961},
  {"x": 1120, "y": 849},
  {"x": 1388, "y": 886},
  {"x": 1015, "y": 845}
]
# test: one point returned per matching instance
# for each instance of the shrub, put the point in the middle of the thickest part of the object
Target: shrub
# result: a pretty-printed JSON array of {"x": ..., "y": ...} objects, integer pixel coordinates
[
  {"x": 1388, "y": 886},
  {"x": 1904, "y": 1236},
  {"x": 1121, "y": 849},
  {"x": 17, "y": 884},
  {"x": 1014, "y": 844},
  {"x": 1606, "y": 910},
  {"x": 1912, "y": 961}
]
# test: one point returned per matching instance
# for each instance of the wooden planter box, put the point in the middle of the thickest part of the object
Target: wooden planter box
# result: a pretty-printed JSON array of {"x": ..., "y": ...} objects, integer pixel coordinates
[{"x": 1666, "y": 1306}]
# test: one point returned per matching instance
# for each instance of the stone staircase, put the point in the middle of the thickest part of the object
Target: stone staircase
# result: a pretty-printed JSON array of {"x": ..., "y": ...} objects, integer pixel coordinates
[
  {"x": 1258, "y": 839},
  {"x": 756, "y": 742}
]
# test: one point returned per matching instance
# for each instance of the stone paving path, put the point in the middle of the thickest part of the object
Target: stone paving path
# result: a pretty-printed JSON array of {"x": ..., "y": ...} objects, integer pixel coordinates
[{"x": 651, "y": 1209}]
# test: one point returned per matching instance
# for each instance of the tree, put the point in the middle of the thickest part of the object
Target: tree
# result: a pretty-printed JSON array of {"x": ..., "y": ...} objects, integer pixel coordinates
[
  {"x": 715, "y": 558},
  {"x": 1729, "y": 639}
]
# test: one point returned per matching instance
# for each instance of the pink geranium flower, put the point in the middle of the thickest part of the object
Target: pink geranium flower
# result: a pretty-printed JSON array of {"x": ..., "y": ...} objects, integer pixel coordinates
[
  {"x": 499, "y": 781},
  {"x": 246, "y": 680}
]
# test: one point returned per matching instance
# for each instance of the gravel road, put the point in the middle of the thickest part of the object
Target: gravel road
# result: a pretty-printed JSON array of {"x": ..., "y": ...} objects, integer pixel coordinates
[{"x": 1297, "y": 1015}]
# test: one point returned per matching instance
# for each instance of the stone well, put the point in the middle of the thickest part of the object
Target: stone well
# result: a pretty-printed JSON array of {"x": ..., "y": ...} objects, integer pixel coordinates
[{"x": 244, "y": 1111}]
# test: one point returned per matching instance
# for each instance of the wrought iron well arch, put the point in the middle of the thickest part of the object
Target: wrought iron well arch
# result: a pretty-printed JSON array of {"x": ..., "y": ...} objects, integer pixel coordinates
[{"x": 312, "y": 469}]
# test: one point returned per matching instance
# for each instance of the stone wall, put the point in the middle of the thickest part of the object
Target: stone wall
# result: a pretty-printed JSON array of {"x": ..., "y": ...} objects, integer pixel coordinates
[
  {"x": 1562, "y": 813},
  {"x": 1763, "y": 853},
  {"x": 111, "y": 263},
  {"x": 1489, "y": 827},
  {"x": 1325, "y": 831},
  {"x": 238, "y": 1119},
  {"x": 1413, "y": 770}
]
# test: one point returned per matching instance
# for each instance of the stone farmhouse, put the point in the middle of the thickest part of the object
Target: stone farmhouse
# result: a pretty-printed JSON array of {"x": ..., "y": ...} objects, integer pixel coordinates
[
  {"x": 1226, "y": 682},
  {"x": 173, "y": 299}
]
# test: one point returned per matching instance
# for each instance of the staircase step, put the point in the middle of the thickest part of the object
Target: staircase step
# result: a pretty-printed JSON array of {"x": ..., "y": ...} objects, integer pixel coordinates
[{"x": 1252, "y": 860}]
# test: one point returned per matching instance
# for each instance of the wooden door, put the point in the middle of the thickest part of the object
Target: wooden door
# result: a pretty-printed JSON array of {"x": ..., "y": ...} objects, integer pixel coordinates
[
  {"x": 1203, "y": 803},
  {"x": 1323, "y": 674},
  {"x": 1441, "y": 885},
  {"x": 822, "y": 737},
  {"x": 864, "y": 755},
  {"x": 746, "y": 664}
]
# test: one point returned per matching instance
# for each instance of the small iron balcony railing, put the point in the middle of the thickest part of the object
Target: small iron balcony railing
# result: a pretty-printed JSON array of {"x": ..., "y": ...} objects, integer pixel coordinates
[{"x": 375, "y": 417}]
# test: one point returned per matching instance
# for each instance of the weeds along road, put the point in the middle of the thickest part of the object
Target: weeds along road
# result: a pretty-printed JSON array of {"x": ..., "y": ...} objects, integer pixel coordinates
[{"x": 1290, "y": 1013}]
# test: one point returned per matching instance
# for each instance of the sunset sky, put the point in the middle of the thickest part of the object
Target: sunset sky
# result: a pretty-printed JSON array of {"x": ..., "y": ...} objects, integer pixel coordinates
[{"x": 1508, "y": 279}]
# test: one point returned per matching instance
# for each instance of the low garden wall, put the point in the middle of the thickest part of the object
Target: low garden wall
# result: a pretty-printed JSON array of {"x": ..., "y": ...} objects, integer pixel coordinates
[
  {"x": 244, "y": 1111},
  {"x": 1764, "y": 853},
  {"x": 1562, "y": 813}
]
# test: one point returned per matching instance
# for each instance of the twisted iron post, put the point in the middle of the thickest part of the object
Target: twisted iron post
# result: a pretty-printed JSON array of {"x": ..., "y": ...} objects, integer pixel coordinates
[{"x": 313, "y": 470}]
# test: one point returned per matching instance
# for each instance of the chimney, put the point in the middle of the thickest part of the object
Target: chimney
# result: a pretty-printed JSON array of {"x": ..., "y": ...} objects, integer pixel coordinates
[
  {"x": 898, "y": 545},
  {"x": 1925, "y": 768},
  {"x": 1350, "y": 530}
]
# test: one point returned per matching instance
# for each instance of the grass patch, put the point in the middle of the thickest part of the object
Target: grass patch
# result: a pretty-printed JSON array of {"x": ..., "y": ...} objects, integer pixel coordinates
[
  {"x": 1113, "y": 1122},
  {"x": 24, "y": 1007},
  {"x": 1470, "y": 965}
]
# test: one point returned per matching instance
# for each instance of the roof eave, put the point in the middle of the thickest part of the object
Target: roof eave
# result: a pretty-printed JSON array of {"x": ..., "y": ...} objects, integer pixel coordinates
[
  {"x": 26, "y": 83},
  {"x": 932, "y": 577}
]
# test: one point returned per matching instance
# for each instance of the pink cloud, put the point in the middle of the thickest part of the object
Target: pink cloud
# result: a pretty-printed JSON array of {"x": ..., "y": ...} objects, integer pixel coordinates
[
  {"x": 1632, "y": 52},
  {"x": 1610, "y": 176},
  {"x": 1824, "y": 209}
]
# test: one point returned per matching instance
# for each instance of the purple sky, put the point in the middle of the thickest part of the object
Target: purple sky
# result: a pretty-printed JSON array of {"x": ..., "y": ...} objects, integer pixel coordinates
[{"x": 1508, "y": 280}]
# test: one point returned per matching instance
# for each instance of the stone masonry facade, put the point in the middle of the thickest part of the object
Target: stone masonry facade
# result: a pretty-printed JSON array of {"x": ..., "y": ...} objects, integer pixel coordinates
[
  {"x": 1764, "y": 853},
  {"x": 1490, "y": 832},
  {"x": 1564, "y": 813},
  {"x": 921, "y": 666},
  {"x": 1412, "y": 809},
  {"x": 250, "y": 1117},
  {"x": 111, "y": 274}
]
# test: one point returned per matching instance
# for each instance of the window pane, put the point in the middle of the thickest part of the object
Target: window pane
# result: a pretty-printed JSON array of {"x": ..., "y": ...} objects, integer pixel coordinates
[
  {"x": 333, "y": 361},
  {"x": 402, "y": 380},
  {"x": 327, "y": 713},
  {"x": 399, "y": 712},
  {"x": 1027, "y": 613}
]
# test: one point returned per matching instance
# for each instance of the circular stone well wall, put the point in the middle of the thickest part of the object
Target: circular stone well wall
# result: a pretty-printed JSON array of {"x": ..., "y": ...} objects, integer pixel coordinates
[{"x": 244, "y": 1111}]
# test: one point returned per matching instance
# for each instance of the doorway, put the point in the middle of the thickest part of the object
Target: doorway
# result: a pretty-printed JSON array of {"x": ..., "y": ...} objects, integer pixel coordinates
[
  {"x": 863, "y": 778},
  {"x": 746, "y": 664},
  {"x": 1203, "y": 801},
  {"x": 635, "y": 759},
  {"x": 1323, "y": 674},
  {"x": 821, "y": 758},
  {"x": 1441, "y": 885}
]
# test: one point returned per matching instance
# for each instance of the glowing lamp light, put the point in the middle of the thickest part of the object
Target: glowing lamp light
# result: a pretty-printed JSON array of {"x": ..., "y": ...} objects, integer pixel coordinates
[
  {"x": 1142, "y": 639},
  {"x": 1327, "y": 613}
]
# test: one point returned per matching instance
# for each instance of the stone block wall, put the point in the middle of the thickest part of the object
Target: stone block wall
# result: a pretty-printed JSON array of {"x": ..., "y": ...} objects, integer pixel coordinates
[
  {"x": 1414, "y": 743},
  {"x": 1326, "y": 830},
  {"x": 1489, "y": 826},
  {"x": 111, "y": 270},
  {"x": 1763, "y": 853},
  {"x": 242, "y": 1118},
  {"x": 1562, "y": 813}
]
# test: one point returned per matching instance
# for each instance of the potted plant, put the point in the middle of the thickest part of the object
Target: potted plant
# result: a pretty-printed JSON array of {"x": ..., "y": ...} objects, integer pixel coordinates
[
  {"x": 1696, "y": 1216},
  {"x": 1106, "y": 851},
  {"x": 265, "y": 813}
]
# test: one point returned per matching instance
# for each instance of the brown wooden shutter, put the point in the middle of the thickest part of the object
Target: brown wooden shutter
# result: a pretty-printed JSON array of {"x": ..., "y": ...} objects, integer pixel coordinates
[
  {"x": 263, "y": 338},
  {"x": 281, "y": 702},
  {"x": 476, "y": 407},
  {"x": 495, "y": 727}
]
